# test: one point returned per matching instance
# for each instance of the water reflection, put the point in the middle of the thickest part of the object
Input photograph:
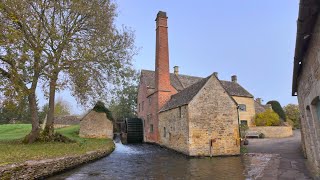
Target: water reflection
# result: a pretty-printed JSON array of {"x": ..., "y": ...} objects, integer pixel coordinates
[{"x": 143, "y": 161}]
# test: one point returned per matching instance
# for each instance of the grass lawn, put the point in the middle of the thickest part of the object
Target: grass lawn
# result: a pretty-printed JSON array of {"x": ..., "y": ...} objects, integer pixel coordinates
[{"x": 13, "y": 151}]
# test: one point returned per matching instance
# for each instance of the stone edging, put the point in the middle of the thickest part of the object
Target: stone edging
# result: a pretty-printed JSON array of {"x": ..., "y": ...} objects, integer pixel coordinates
[{"x": 47, "y": 167}]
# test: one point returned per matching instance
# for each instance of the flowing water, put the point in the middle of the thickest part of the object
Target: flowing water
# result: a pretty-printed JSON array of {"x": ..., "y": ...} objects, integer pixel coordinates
[{"x": 144, "y": 161}]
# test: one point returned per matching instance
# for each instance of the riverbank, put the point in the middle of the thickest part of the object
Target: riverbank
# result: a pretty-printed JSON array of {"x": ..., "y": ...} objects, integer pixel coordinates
[{"x": 43, "y": 159}]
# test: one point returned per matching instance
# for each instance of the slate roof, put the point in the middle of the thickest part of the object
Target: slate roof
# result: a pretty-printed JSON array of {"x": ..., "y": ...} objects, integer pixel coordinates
[
  {"x": 234, "y": 89},
  {"x": 185, "y": 96},
  {"x": 259, "y": 108},
  {"x": 180, "y": 82}
]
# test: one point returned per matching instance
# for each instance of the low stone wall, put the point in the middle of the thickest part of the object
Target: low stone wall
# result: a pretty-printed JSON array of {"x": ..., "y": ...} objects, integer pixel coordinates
[
  {"x": 273, "y": 131},
  {"x": 48, "y": 167}
]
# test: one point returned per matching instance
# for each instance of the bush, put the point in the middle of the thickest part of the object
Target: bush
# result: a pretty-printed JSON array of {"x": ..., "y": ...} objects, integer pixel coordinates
[
  {"x": 100, "y": 107},
  {"x": 278, "y": 109},
  {"x": 261, "y": 135},
  {"x": 267, "y": 118}
]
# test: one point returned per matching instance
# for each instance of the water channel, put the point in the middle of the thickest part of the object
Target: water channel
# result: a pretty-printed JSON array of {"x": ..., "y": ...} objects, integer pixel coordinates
[{"x": 144, "y": 161}]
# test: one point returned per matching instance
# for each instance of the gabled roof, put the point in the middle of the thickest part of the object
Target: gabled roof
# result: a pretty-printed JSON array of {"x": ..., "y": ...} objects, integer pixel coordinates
[
  {"x": 180, "y": 82},
  {"x": 234, "y": 89},
  {"x": 185, "y": 96},
  {"x": 259, "y": 108}
]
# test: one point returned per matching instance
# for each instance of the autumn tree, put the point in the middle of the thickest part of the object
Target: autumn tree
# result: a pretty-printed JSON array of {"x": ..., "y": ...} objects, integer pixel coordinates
[
  {"x": 72, "y": 44},
  {"x": 293, "y": 113},
  {"x": 22, "y": 46}
]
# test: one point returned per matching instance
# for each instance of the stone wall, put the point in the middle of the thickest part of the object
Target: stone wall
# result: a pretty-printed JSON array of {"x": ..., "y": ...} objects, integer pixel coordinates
[
  {"x": 213, "y": 117},
  {"x": 96, "y": 125},
  {"x": 308, "y": 97},
  {"x": 44, "y": 168},
  {"x": 273, "y": 131},
  {"x": 173, "y": 129},
  {"x": 247, "y": 115}
]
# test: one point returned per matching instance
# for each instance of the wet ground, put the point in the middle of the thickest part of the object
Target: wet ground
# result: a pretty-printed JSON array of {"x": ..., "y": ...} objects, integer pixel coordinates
[{"x": 290, "y": 163}]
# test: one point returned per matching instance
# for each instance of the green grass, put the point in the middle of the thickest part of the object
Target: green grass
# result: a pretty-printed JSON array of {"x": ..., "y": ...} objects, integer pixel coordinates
[{"x": 12, "y": 150}]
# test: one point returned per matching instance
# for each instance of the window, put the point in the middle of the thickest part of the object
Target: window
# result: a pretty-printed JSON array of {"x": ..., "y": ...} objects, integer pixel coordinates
[
  {"x": 318, "y": 110},
  {"x": 139, "y": 107},
  {"x": 180, "y": 114},
  {"x": 142, "y": 105},
  {"x": 242, "y": 107},
  {"x": 151, "y": 128},
  {"x": 244, "y": 122},
  {"x": 164, "y": 132}
]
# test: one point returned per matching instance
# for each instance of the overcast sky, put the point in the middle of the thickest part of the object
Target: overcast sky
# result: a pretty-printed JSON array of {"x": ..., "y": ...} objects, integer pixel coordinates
[{"x": 252, "y": 39}]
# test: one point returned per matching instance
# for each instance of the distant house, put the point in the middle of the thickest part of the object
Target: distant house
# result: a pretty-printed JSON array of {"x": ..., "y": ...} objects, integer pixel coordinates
[
  {"x": 306, "y": 79},
  {"x": 259, "y": 107},
  {"x": 63, "y": 121},
  {"x": 191, "y": 114}
]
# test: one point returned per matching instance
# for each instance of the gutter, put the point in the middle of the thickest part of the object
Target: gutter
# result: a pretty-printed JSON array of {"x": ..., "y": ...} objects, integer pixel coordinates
[{"x": 308, "y": 14}]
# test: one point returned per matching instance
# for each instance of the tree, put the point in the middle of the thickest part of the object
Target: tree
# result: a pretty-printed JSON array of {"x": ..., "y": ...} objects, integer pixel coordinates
[
  {"x": 86, "y": 51},
  {"x": 293, "y": 113},
  {"x": 70, "y": 44},
  {"x": 22, "y": 44},
  {"x": 267, "y": 118},
  {"x": 62, "y": 108},
  {"x": 278, "y": 109},
  {"x": 125, "y": 104},
  {"x": 15, "y": 109}
]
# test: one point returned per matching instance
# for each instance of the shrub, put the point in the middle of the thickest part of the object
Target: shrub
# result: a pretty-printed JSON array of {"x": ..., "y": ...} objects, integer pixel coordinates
[
  {"x": 100, "y": 107},
  {"x": 261, "y": 135},
  {"x": 267, "y": 118},
  {"x": 278, "y": 109}
]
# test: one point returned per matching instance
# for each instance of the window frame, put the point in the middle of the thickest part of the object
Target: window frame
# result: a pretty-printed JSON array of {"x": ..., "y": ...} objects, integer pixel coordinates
[{"x": 243, "y": 105}]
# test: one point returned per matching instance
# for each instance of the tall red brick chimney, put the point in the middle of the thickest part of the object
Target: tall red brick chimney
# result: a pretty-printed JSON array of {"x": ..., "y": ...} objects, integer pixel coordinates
[
  {"x": 162, "y": 53},
  {"x": 162, "y": 74}
]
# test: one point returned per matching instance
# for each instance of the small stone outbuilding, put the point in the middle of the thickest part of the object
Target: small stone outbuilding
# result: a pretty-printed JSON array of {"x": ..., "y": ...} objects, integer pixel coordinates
[{"x": 96, "y": 125}]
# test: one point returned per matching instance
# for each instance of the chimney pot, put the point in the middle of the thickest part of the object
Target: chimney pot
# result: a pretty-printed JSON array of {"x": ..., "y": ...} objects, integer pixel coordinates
[
  {"x": 258, "y": 100},
  {"x": 176, "y": 70},
  {"x": 234, "y": 78},
  {"x": 216, "y": 74}
]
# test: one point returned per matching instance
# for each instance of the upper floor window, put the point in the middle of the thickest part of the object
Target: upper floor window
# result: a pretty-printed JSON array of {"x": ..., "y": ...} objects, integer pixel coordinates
[
  {"x": 244, "y": 122},
  {"x": 142, "y": 105},
  {"x": 151, "y": 128},
  {"x": 139, "y": 107},
  {"x": 242, "y": 107}
]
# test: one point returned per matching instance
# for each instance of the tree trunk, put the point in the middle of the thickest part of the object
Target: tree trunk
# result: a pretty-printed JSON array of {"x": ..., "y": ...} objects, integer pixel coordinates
[
  {"x": 34, "y": 134},
  {"x": 49, "y": 129}
]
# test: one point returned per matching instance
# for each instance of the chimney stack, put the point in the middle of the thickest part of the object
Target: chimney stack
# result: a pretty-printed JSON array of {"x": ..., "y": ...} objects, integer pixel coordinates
[
  {"x": 162, "y": 53},
  {"x": 216, "y": 74},
  {"x": 258, "y": 100},
  {"x": 176, "y": 70},
  {"x": 234, "y": 78}
]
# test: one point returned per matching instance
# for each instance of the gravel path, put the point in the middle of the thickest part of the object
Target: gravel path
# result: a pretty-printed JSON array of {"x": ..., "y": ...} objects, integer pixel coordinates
[{"x": 290, "y": 164}]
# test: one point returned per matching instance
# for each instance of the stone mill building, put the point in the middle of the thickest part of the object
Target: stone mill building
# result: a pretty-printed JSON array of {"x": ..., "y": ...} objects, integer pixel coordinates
[
  {"x": 306, "y": 79},
  {"x": 193, "y": 115}
]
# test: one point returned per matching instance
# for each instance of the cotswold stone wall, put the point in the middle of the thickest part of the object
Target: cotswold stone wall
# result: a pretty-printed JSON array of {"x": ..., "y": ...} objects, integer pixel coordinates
[
  {"x": 273, "y": 131},
  {"x": 250, "y": 110},
  {"x": 96, "y": 125},
  {"x": 308, "y": 95},
  {"x": 213, "y": 117},
  {"x": 45, "y": 168},
  {"x": 173, "y": 129}
]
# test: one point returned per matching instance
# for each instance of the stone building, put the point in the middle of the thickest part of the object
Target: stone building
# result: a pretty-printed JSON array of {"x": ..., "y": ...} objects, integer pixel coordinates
[
  {"x": 306, "y": 79},
  {"x": 96, "y": 125},
  {"x": 170, "y": 104},
  {"x": 259, "y": 107}
]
